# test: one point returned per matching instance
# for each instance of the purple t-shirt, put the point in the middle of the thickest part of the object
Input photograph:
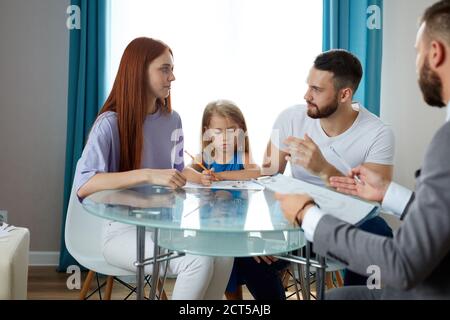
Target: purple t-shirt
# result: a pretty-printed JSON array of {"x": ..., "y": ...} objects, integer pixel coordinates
[{"x": 162, "y": 149}]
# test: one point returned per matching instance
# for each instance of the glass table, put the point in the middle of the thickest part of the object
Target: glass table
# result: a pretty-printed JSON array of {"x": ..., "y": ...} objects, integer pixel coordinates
[{"x": 233, "y": 223}]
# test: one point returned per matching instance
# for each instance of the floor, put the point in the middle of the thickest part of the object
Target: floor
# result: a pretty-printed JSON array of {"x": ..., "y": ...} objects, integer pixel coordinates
[{"x": 44, "y": 283}]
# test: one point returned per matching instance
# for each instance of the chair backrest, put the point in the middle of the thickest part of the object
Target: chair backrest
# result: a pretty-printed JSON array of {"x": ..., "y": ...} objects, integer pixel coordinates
[
  {"x": 83, "y": 236},
  {"x": 83, "y": 230}
]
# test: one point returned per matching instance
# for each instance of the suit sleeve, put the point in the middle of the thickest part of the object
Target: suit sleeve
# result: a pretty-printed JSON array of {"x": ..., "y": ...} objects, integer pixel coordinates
[
  {"x": 397, "y": 199},
  {"x": 418, "y": 246}
]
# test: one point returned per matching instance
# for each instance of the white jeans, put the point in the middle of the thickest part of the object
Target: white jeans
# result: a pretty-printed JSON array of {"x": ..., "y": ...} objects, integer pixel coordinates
[{"x": 198, "y": 277}]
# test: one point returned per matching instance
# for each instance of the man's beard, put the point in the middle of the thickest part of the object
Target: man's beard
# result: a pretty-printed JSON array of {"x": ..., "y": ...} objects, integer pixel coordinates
[
  {"x": 431, "y": 86},
  {"x": 325, "y": 111}
]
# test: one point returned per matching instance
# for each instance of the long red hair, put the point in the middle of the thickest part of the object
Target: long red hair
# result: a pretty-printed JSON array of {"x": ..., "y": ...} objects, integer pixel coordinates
[{"x": 129, "y": 98}]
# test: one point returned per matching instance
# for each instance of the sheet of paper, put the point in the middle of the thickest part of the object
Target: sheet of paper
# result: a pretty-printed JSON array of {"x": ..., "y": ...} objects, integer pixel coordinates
[
  {"x": 228, "y": 185},
  {"x": 346, "y": 208}
]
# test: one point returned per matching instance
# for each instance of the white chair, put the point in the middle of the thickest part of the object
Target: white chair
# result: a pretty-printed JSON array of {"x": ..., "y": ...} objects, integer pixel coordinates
[
  {"x": 333, "y": 277},
  {"x": 83, "y": 241},
  {"x": 14, "y": 251},
  {"x": 333, "y": 270}
]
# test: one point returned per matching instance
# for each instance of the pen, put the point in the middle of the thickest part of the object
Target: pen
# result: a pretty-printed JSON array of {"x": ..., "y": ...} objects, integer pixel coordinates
[
  {"x": 347, "y": 166},
  {"x": 201, "y": 165}
]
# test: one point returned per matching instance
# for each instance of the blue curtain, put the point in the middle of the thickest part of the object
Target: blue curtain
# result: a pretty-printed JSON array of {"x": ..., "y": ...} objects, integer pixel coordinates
[
  {"x": 87, "y": 91},
  {"x": 356, "y": 25}
]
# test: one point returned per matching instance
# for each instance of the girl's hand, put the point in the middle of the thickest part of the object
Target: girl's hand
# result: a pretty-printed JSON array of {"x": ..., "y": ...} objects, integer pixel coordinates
[
  {"x": 171, "y": 178},
  {"x": 206, "y": 178}
]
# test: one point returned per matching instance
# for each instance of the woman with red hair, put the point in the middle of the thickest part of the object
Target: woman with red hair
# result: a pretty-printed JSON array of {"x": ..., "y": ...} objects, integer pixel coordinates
[{"x": 132, "y": 143}]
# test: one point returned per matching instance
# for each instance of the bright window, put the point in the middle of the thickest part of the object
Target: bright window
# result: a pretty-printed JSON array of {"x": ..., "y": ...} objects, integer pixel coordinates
[{"x": 256, "y": 53}]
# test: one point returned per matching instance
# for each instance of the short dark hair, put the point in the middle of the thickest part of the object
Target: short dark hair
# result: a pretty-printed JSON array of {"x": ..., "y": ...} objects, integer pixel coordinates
[
  {"x": 437, "y": 21},
  {"x": 345, "y": 66}
]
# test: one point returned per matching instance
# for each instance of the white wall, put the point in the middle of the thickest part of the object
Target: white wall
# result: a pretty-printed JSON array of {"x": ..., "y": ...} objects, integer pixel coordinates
[
  {"x": 402, "y": 106},
  {"x": 33, "y": 110}
]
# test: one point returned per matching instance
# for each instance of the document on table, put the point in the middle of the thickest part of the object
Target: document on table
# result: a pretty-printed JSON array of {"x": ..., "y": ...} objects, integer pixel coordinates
[
  {"x": 227, "y": 185},
  {"x": 346, "y": 208}
]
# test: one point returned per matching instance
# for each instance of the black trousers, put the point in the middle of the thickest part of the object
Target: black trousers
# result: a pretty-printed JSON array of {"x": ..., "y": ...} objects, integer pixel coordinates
[{"x": 264, "y": 282}]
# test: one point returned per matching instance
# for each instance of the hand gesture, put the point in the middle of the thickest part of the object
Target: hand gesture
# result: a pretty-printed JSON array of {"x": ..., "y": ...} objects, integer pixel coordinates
[
  {"x": 306, "y": 153},
  {"x": 372, "y": 187}
]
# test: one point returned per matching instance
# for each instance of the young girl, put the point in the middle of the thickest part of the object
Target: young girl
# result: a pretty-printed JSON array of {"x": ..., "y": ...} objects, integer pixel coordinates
[
  {"x": 131, "y": 144},
  {"x": 226, "y": 155},
  {"x": 225, "y": 146}
]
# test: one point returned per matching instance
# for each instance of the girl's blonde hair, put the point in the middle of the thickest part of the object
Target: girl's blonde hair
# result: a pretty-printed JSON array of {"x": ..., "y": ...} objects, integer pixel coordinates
[{"x": 229, "y": 110}]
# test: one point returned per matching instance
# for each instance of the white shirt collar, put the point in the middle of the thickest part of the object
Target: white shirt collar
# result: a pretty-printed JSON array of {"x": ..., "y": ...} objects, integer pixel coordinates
[{"x": 448, "y": 112}]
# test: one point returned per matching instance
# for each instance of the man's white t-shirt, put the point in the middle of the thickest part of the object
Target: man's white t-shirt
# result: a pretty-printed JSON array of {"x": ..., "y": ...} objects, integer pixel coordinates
[{"x": 368, "y": 140}]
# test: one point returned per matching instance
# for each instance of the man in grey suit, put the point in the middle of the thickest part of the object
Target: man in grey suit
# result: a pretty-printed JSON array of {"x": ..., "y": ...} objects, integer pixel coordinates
[{"x": 415, "y": 264}]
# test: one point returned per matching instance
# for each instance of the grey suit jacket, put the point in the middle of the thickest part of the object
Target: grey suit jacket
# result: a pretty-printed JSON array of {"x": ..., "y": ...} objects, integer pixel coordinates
[{"x": 415, "y": 264}]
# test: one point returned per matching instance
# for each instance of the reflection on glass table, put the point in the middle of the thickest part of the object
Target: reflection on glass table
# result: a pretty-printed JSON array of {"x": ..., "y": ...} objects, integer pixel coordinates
[
  {"x": 198, "y": 210},
  {"x": 232, "y": 223}
]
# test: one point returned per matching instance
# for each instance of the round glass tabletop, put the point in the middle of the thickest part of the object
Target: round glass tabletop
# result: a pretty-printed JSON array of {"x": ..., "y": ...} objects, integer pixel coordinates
[{"x": 203, "y": 221}]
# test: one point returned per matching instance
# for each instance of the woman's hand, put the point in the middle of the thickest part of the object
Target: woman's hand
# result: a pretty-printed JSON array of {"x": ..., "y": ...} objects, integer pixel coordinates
[
  {"x": 372, "y": 187},
  {"x": 171, "y": 178}
]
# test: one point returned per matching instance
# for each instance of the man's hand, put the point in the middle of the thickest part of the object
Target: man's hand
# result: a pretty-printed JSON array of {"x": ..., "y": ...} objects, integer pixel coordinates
[
  {"x": 291, "y": 205},
  {"x": 306, "y": 153},
  {"x": 372, "y": 188}
]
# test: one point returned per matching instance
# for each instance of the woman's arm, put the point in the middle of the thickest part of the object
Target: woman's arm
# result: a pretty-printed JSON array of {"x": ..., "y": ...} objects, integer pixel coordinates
[{"x": 120, "y": 180}]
